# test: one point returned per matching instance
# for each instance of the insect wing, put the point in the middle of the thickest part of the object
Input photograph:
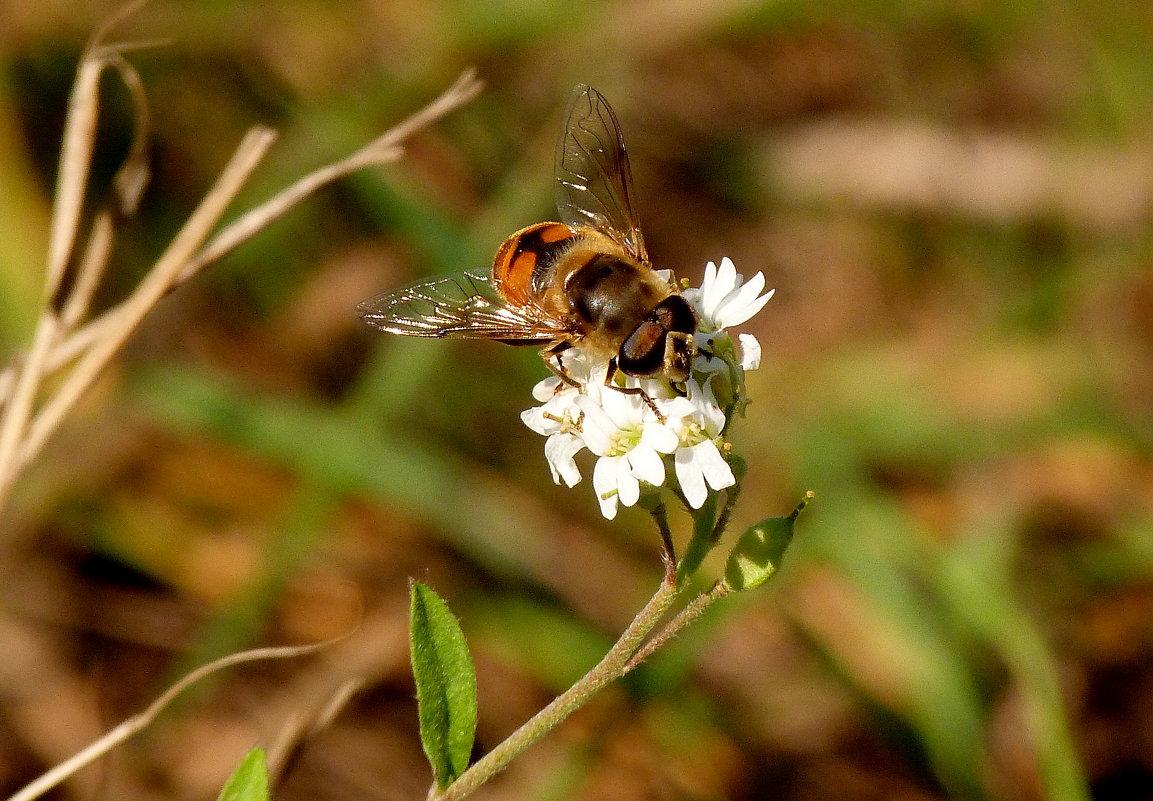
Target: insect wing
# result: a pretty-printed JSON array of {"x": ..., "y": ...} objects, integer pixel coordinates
[
  {"x": 461, "y": 305},
  {"x": 594, "y": 184}
]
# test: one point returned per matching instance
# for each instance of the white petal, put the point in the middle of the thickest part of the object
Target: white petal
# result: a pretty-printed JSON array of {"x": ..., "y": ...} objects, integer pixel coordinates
[
  {"x": 690, "y": 478},
  {"x": 710, "y": 294},
  {"x": 750, "y": 352},
  {"x": 713, "y": 466},
  {"x": 660, "y": 438},
  {"x": 740, "y": 309},
  {"x": 605, "y": 485},
  {"x": 646, "y": 465},
  {"x": 726, "y": 282},
  {"x": 751, "y": 288},
  {"x": 656, "y": 388},
  {"x": 559, "y": 450},
  {"x": 592, "y": 376},
  {"x": 678, "y": 408},
  {"x": 706, "y": 410},
  {"x": 727, "y": 276},
  {"x": 581, "y": 368},
  {"x": 744, "y": 303},
  {"x": 629, "y": 488},
  {"x": 534, "y": 418},
  {"x": 710, "y": 276},
  {"x": 605, "y": 474},
  {"x": 546, "y": 388},
  {"x": 608, "y": 506},
  {"x": 623, "y": 408},
  {"x": 597, "y": 429}
]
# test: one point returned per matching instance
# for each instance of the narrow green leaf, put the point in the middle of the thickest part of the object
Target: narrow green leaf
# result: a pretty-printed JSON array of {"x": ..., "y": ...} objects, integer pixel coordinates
[
  {"x": 249, "y": 782},
  {"x": 445, "y": 685},
  {"x": 758, "y": 552}
]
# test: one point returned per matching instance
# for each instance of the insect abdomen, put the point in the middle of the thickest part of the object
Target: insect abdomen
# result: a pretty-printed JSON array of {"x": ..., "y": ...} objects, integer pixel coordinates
[{"x": 525, "y": 264}]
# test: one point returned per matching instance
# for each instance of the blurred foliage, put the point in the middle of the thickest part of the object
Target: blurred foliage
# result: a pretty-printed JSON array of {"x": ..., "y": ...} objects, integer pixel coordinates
[{"x": 953, "y": 201}]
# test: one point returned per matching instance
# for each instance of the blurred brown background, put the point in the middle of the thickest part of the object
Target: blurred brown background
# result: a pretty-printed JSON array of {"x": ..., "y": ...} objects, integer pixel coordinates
[{"x": 952, "y": 200}]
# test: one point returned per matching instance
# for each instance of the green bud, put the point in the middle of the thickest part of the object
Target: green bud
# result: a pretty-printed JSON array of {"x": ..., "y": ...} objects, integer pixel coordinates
[{"x": 759, "y": 551}]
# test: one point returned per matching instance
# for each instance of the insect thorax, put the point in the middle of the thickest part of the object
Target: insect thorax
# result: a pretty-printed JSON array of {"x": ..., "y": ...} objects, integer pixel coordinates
[{"x": 611, "y": 296}]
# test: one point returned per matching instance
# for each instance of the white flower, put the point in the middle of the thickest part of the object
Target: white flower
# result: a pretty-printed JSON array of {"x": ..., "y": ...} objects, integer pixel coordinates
[
  {"x": 698, "y": 462},
  {"x": 633, "y": 434},
  {"x": 724, "y": 299},
  {"x": 558, "y": 419},
  {"x": 628, "y": 437}
]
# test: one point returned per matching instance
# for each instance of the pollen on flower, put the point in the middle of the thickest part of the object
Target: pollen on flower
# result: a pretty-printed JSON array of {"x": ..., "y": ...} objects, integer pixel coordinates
[
  {"x": 656, "y": 428},
  {"x": 623, "y": 441},
  {"x": 566, "y": 423},
  {"x": 692, "y": 432}
]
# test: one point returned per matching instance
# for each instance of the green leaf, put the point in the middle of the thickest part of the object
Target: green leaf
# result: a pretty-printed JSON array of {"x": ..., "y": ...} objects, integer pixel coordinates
[
  {"x": 759, "y": 551},
  {"x": 249, "y": 782},
  {"x": 445, "y": 685}
]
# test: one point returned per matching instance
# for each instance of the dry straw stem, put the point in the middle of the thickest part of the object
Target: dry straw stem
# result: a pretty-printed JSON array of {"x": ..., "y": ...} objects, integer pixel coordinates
[
  {"x": 75, "y": 161},
  {"x": 138, "y": 722},
  {"x": 300, "y": 728},
  {"x": 384, "y": 148},
  {"x": 21, "y": 439},
  {"x": 155, "y": 285},
  {"x": 61, "y": 338}
]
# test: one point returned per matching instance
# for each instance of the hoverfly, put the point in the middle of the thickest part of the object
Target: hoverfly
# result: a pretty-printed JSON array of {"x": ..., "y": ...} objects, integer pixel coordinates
[{"x": 585, "y": 282}]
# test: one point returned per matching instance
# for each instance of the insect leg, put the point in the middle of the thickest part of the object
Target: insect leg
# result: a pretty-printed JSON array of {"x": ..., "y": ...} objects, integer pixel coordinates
[
  {"x": 554, "y": 351},
  {"x": 611, "y": 374}
]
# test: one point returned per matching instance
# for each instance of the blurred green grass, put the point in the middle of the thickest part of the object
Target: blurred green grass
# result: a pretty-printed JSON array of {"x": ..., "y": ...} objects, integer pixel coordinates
[{"x": 967, "y": 390}]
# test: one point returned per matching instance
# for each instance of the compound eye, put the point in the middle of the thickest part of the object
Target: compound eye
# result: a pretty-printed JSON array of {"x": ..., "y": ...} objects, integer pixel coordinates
[
  {"x": 643, "y": 353},
  {"x": 675, "y": 314}
]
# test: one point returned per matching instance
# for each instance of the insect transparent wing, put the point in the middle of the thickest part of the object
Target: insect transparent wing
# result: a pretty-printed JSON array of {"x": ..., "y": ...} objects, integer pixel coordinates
[
  {"x": 462, "y": 305},
  {"x": 594, "y": 185}
]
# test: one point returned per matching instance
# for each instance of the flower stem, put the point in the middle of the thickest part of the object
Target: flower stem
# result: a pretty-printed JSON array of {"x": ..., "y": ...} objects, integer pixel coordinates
[
  {"x": 668, "y": 550},
  {"x": 617, "y": 662},
  {"x": 722, "y": 523},
  {"x": 682, "y": 619}
]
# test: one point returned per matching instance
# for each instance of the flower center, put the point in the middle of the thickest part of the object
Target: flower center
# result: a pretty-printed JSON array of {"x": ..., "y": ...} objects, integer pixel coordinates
[
  {"x": 566, "y": 423},
  {"x": 692, "y": 433},
  {"x": 623, "y": 440}
]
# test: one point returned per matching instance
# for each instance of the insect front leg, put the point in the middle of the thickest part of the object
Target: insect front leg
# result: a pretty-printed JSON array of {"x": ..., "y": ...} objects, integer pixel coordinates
[
  {"x": 611, "y": 374},
  {"x": 680, "y": 350},
  {"x": 553, "y": 352}
]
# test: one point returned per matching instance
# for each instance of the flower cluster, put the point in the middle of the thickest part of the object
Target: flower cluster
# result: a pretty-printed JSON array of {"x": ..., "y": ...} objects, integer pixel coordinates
[{"x": 636, "y": 435}]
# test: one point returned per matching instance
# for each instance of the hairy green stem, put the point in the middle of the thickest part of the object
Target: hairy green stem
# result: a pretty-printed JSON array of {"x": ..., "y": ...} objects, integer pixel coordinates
[
  {"x": 635, "y": 645},
  {"x": 616, "y": 663},
  {"x": 682, "y": 619}
]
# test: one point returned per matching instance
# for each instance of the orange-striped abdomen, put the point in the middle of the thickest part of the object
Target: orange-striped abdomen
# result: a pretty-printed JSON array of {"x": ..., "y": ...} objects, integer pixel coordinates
[{"x": 523, "y": 266}]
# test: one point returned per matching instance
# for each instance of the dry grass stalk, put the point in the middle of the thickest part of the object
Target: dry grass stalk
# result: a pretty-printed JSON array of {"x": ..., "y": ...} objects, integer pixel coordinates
[
  {"x": 140, "y": 721},
  {"x": 64, "y": 339},
  {"x": 69, "y": 341}
]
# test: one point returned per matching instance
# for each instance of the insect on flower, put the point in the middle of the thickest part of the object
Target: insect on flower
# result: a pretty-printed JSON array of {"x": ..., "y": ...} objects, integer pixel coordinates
[{"x": 585, "y": 282}]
